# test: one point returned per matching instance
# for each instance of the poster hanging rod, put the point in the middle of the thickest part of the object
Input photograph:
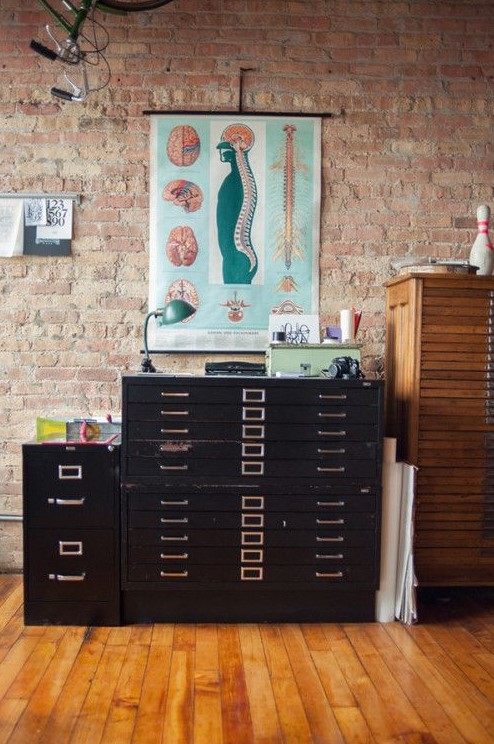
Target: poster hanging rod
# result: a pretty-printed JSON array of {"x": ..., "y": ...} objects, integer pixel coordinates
[
  {"x": 285, "y": 114},
  {"x": 18, "y": 195}
]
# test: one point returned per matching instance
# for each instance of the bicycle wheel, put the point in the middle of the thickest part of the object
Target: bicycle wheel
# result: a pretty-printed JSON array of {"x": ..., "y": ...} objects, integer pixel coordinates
[{"x": 132, "y": 5}]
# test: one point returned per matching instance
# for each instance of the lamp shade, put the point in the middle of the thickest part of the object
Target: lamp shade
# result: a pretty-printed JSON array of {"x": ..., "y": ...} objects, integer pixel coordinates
[{"x": 175, "y": 311}]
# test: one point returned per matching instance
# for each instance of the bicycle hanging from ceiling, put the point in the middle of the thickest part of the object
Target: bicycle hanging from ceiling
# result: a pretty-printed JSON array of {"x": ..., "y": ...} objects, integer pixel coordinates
[{"x": 86, "y": 40}]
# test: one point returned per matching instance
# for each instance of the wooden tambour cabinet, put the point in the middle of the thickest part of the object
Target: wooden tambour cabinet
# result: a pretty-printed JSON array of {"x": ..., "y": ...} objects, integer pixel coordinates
[
  {"x": 440, "y": 408},
  {"x": 250, "y": 499},
  {"x": 71, "y": 534}
]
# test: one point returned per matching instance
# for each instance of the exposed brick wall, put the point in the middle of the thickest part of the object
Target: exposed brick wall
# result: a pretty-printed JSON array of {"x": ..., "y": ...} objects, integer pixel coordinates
[{"x": 406, "y": 161}]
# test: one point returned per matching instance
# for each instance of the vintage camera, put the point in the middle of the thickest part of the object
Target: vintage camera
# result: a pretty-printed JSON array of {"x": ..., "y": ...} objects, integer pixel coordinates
[{"x": 344, "y": 368}]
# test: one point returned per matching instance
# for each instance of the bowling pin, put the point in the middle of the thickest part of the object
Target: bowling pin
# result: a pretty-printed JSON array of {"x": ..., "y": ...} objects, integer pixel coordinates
[{"x": 482, "y": 252}]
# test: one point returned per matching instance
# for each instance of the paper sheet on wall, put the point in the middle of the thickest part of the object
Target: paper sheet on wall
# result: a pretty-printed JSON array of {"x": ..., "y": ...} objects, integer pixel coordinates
[
  {"x": 11, "y": 227},
  {"x": 58, "y": 221}
]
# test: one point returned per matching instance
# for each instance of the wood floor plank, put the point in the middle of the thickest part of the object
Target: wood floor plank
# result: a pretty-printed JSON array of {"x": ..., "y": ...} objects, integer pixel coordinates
[
  {"x": 410, "y": 681},
  {"x": 46, "y": 693},
  {"x": 321, "y": 718},
  {"x": 380, "y": 722},
  {"x": 207, "y": 727},
  {"x": 65, "y": 712},
  {"x": 125, "y": 703},
  {"x": 291, "y": 712},
  {"x": 234, "y": 699},
  {"x": 399, "y": 708},
  {"x": 458, "y": 677},
  {"x": 439, "y": 684},
  {"x": 93, "y": 715},
  {"x": 178, "y": 719},
  {"x": 10, "y": 713},
  {"x": 264, "y": 716},
  {"x": 151, "y": 714}
]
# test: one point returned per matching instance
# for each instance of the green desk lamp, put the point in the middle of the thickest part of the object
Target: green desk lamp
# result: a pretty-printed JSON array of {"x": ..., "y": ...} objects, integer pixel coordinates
[{"x": 174, "y": 312}]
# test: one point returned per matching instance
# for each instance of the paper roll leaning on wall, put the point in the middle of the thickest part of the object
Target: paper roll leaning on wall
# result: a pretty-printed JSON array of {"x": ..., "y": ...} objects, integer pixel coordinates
[{"x": 396, "y": 598}]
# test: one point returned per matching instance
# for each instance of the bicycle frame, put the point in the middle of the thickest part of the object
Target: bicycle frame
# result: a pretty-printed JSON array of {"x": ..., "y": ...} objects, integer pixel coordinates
[{"x": 80, "y": 15}]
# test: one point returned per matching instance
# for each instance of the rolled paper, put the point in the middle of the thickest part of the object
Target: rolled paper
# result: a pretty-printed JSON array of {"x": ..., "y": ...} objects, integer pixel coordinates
[{"x": 347, "y": 324}]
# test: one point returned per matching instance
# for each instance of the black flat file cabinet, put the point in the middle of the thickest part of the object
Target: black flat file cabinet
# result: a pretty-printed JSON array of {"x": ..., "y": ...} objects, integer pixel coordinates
[
  {"x": 250, "y": 499},
  {"x": 71, "y": 534}
]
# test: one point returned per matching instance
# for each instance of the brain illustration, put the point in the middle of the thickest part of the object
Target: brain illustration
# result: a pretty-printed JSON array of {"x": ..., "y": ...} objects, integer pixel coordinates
[
  {"x": 183, "y": 194},
  {"x": 183, "y": 146},
  {"x": 181, "y": 246}
]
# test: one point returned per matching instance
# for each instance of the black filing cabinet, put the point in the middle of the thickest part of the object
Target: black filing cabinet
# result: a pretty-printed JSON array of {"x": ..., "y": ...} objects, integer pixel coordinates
[
  {"x": 250, "y": 499},
  {"x": 71, "y": 534}
]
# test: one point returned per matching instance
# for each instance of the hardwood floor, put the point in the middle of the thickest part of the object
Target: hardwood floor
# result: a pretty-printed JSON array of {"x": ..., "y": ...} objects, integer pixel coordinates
[{"x": 246, "y": 684}]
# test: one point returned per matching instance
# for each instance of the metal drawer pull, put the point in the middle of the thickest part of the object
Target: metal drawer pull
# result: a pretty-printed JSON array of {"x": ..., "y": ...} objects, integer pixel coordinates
[
  {"x": 176, "y": 447},
  {"x": 341, "y": 433},
  {"x": 70, "y": 472},
  {"x": 252, "y": 538},
  {"x": 167, "y": 394},
  {"x": 252, "y": 502},
  {"x": 252, "y": 468},
  {"x": 69, "y": 548},
  {"x": 66, "y": 502},
  {"x": 174, "y": 556},
  {"x": 335, "y": 575},
  {"x": 330, "y": 503},
  {"x": 252, "y": 432},
  {"x": 183, "y": 538},
  {"x": 174, "y": 431},
  {"x": 174, "y": 467},
  {"x": 252, "y": 449},
  {"x": 65, "y": 577},
  {"x": 184, "y": 520},
  {"x": 338, "y": 539},
  {"x": 251, "y": 556},
  {"x": 175, "y": 413},
  {"x": 253, "y": 414},
  {"x": 340, "y": 469},
  {"x": 183, "y": 502},
  {"x": 339, "y": 451},
  {"x": 252, "y": 520},
  {"x": 253, "y": 395},
  {"x": 330, "y": 521},
  {"x": 251, "y": 574},
  {"x": 174, "y": 574},
  {"x": 329, "y": 557},
  {"x": 343, "y": 396},
  {"x": 332, "y": 415}
]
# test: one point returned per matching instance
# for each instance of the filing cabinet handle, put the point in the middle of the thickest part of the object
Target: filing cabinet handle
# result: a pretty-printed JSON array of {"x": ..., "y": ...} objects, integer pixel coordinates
[
  {"x": 324, "y": 575},
  {"x": 330, "y": 557},
  {"x": 66, "y": 502},
  {"x": 174, "y": 574},
  {"x": 183, "y": 502},
  {"x": 175, "y": 413},
  {"x": 172, "y": 447},
  {"x": 338, "y": 539},
  {"x": 67, "y": 577},
  {"x": 174, "y": 556},
  {"x": 339, "y": 451},
  {"x": 174, "y": 431},
  {"x": 340, "y": 469},
  {"x": 342, "y": 414},
  {"x": 70, "y": 472},
  {"x": 164, "y": 520},
  {"x": 330, "y": 503},
  {"x": 183, "y": 538},
  {"x": 66, "y": 547},
  {"x": 341, "y": 433},
  {"x": 330, "y": 521},
  {"x": 343, "y": 396},
  {"x": 174, "y": 467},
  {"x": 168, "y": 394}
]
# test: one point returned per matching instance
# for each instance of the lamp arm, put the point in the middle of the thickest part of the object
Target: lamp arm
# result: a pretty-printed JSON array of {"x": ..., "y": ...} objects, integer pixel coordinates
[{"x": 146, "y": 364}]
